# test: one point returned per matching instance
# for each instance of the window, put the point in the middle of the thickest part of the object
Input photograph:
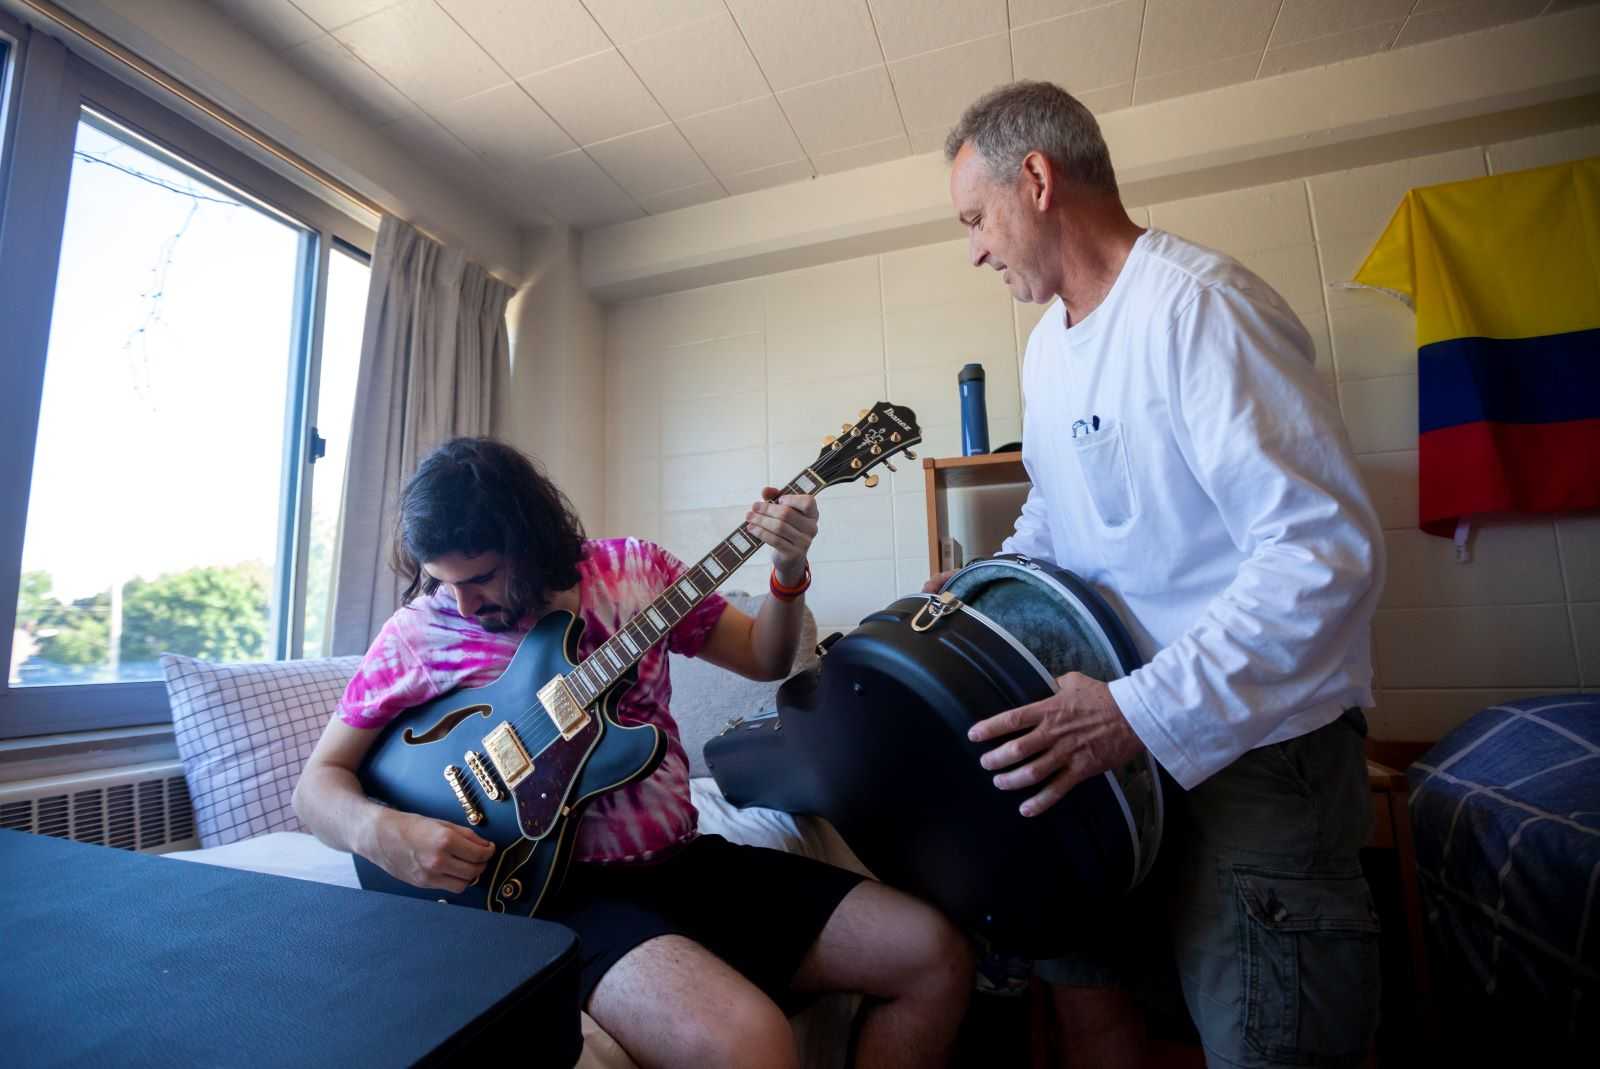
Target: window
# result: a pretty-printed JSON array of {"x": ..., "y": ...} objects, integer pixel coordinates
[
  {"x": 196, "y": 329},
  {"x": 348, "y": 275},
  {"x": 166, "y": 383}
]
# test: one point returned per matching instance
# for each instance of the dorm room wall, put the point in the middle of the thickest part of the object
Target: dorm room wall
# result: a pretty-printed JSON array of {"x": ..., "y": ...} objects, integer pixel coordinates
[{"x": 709, "y": 393}]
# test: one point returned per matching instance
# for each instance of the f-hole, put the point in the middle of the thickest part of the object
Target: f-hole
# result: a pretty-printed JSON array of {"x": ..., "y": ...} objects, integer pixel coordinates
[{"x": 444, "y": 726}]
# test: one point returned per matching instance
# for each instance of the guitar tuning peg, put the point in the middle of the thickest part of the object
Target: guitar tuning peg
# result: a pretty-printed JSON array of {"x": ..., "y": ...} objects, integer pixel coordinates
[
  {"x": 845, "y": 428},
  {"x": 862, "y": 414},
  {"x": 871, "y": 481},
  {"x": 890, "y": 466},
  {"x": 910, "y": 455},
  {"x": 828, "y": 439}
]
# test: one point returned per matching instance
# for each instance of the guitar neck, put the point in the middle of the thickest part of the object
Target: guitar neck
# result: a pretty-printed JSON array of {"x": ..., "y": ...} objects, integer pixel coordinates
[{"x": 613, "y": 657}]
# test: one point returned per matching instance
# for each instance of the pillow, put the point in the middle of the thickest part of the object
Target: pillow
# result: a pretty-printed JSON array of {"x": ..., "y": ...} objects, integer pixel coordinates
[
  {"x": 705, "y": 697},
  {"x": 244, "y": 732}
]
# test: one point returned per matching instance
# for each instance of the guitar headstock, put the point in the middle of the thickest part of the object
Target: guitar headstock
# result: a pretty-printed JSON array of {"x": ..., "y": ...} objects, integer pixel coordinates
[{"x": 879, "y": 433}]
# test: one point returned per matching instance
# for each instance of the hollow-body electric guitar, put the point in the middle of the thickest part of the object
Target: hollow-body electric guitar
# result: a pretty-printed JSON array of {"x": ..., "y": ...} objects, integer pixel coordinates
[{"x": 519, "y": 758}]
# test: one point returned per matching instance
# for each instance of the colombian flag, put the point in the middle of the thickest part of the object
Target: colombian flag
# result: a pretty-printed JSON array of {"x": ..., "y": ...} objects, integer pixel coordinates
[{"x": 1504, "y": 275}]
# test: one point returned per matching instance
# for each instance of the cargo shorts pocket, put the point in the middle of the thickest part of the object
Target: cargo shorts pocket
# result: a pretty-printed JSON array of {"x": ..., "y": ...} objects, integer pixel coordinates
[{"x": 1310, "y": 966}]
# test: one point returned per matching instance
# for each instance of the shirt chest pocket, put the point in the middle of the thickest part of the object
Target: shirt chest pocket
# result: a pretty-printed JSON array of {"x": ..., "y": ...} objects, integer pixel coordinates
[{"x": 1102, "y": 457}]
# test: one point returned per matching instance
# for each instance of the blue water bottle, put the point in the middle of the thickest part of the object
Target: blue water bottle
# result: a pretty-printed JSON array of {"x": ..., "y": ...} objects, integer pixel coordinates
[{"x": 974, "y": 417}]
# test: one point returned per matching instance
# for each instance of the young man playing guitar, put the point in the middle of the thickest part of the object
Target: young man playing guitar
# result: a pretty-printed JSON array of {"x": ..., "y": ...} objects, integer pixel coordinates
[{"x": 689, "y": 943}]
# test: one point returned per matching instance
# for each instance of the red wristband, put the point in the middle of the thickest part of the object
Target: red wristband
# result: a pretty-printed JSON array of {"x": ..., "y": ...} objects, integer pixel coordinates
[{"x": 789, "y": 593}]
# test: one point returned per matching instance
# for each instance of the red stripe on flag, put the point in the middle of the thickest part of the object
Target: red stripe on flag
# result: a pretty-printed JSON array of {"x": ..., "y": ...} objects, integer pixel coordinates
[{"x": 1482, "y": 467}]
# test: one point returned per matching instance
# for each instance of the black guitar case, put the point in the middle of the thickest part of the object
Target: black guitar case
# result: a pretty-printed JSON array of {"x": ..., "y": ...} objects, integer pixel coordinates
[{"x": 875, "y": 740}]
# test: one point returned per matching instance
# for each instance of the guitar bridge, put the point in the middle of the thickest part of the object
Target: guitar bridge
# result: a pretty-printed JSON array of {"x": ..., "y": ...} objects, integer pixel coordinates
[
  {"x": 480, "y": 772},
  {"x": 563, "y": 709}
]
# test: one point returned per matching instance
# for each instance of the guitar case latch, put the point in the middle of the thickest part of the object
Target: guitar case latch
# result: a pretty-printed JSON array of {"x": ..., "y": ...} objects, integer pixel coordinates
[{"x": 936, "y": 609}]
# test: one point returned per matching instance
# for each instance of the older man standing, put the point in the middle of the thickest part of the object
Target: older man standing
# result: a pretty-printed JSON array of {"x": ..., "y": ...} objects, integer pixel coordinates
[{"x": 1186, "y": 460}]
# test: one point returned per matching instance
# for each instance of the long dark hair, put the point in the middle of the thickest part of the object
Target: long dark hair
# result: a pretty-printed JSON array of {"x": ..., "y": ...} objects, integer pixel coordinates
[{"x": 478, "y": 495}]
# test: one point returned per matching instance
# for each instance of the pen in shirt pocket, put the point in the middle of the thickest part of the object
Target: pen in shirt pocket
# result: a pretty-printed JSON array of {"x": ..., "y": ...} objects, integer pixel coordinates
[{"x": 1085, "y": 426}]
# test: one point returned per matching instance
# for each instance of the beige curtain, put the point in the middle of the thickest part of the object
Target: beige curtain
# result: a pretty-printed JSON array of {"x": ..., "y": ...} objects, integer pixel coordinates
[{"x": 433, "y": 353}]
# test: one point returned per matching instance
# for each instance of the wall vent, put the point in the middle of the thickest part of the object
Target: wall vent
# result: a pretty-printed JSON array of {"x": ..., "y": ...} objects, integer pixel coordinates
[{"x": 140, "y": 807}]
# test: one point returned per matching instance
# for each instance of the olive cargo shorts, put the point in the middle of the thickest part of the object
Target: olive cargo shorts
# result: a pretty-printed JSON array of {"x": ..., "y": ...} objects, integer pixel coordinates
[{"x": 1258, "y": 901}]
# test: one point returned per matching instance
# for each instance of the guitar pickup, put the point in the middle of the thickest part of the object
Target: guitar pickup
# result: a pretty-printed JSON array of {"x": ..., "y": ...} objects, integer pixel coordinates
[
  {"x": 564, "y": 711},
  {"x": 508, "y": 755}
]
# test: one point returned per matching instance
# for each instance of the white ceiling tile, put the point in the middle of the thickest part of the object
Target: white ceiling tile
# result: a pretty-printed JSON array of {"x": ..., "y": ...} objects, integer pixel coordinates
[
  {"x": 767, "y": 177},
  {"x": 427, "y": 141},
  {"x": 596, "y": 98},
  {"x": 1089, "y": 50},
  {"x": 699, "y": 67},
  {"x": 334, "y": 67},
  {"x": 929, "y": 140},
  {"x": 1434, "y": 19},
  {"x": 331, "y": 14},
  {"x": 682, "y": 198},
  {"x": 742, "y": 138},
  {"x": 907, "y": 27},
  {"x": 936, "y": 87},
  {"x": 1304, "y": 20},
  {"x": 629, "y": 20},
  {"x": 1196, "y": 79},
  {"x": 1188, "y": 33},
  {"x": 801, "y": 43},
  {"x": 1100, "y": 101},
  {"x": 580, "y": 193},
  {"x": 844, "y": 112},
  {"x": 1330, "y": 49},
  {"x": 527, "y": 36},
  {"x": 505, "y": 127},
  {"x": 1025, "y": 12},
  {"x": 862, "y": 155},
  {"x": 423, "y": 131},
  {"x": 278, "y": 24},
  {"x": 421, "y": 50},
  {"x": 651, "y": 161}
]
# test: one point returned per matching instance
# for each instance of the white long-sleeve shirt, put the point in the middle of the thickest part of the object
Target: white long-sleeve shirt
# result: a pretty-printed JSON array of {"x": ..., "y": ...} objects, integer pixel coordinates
[{"x": 1216, "y": 506}]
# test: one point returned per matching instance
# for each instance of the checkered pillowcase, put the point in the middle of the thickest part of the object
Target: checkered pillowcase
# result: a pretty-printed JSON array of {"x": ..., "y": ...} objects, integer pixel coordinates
[{"x": 244, "y": 732}]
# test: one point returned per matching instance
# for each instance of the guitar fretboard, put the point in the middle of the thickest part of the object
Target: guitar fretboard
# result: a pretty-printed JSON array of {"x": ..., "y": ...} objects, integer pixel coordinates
[{"x": 633, "y": 640}]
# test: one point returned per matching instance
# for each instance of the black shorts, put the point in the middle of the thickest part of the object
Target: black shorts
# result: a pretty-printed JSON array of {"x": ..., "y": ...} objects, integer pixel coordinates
[{"x": 757, "y": 909}]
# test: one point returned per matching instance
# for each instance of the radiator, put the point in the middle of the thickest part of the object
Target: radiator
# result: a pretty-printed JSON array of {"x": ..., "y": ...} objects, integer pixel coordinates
[{"x": 137, "y": 807}]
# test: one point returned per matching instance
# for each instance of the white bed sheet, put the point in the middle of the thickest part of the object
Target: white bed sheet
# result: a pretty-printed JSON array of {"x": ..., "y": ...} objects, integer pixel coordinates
[{"x": 821, "y": 1031}]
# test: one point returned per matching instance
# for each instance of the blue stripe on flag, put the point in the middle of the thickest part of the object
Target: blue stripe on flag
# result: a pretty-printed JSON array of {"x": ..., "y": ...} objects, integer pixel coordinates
[{"x": 1550, "y": 379}]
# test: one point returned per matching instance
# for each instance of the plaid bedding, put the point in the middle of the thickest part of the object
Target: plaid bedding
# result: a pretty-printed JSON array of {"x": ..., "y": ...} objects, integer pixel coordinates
[{"x": 1506, "y": 815}]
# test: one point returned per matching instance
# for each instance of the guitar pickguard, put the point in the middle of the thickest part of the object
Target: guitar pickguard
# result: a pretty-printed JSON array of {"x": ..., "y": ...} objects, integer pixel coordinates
[
  {"x": 543, "y": 796},
  {"x": 446, "y": 724}
]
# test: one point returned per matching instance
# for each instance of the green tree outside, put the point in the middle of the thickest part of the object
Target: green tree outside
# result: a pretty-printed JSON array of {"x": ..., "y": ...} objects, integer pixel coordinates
[{"x": 217, "y": 613}]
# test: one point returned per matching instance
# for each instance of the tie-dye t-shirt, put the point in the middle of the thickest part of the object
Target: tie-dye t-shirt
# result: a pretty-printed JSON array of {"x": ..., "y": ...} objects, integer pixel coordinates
[{"x": 428, "y": 648}]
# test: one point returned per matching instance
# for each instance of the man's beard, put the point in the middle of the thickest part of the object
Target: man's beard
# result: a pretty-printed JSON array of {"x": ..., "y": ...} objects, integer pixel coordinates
[{"x": 495, "y": 620}]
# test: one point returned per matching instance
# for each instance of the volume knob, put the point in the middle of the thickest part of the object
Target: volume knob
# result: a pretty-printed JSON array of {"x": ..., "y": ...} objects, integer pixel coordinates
[{"x": 511, "y": 889}]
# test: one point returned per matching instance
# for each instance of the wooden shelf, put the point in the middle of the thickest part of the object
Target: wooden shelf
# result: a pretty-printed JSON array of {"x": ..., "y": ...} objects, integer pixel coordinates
[
  {"x": 963, "y": 473},
  {"x": 986, "y": 469}
]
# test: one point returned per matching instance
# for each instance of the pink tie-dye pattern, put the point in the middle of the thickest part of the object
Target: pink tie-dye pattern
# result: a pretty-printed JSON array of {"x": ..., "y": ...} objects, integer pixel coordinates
[{"x": 428, "y": 649}]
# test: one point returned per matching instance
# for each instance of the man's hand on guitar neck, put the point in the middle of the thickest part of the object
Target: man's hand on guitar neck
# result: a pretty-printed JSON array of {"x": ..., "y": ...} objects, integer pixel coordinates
[{"x": 428, "y": 853}]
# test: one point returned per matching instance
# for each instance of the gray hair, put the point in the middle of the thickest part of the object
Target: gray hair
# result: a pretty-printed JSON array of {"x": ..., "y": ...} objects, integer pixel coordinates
[{"x": 1013, "y": 120}]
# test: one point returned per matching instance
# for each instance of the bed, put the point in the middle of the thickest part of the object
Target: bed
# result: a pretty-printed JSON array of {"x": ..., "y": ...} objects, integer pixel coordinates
[{"x": 1506, "y": 818}]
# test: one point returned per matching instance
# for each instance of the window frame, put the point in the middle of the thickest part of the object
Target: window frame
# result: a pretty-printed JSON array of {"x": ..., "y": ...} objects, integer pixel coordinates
[{"x": 52, "y": 86}]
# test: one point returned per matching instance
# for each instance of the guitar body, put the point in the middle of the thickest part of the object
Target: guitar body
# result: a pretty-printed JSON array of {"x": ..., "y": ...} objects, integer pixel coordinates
[{"x": 534, "y": 820}]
